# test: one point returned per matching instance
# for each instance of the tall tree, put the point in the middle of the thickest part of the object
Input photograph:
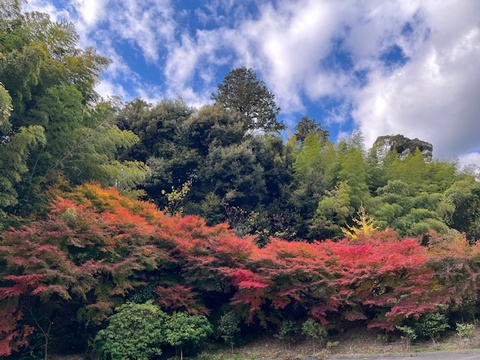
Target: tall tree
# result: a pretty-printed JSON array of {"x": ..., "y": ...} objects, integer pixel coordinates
[
  {"x": 306, "y": 125},
  {"x": 56, "y": 127},
  {"x": 243, "y": 92}
]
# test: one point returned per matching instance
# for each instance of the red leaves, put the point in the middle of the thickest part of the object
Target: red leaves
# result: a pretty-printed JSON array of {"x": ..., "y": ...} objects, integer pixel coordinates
[
  {"x": 12, "y": 337},
  {"x": 179, "y": 297},
  {"x": 98, "y": 246},
  {"x": 22, "y": 282}
]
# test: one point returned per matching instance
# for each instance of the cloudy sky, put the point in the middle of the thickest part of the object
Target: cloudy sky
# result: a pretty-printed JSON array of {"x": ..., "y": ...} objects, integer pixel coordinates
[{"x": 384, "y": 67}]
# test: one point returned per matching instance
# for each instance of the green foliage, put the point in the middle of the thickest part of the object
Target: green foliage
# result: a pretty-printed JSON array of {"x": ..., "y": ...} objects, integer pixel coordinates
[
  {"x": 313, "y": 330},
  {"x": 287, "y": 332},
  {"x": 235, "y": 174},
  {"x": 409, "y": 334},
  {"x": 243, "y": 93},
  {"x": 432, "y": 325},
  {"x": 315, "y": 169},
  {"x": 136, "y": 331},
  {"x": 465, "y": 331},
  {"x": 51, "y": 85},
  {"x": 228, "y": 328},
  {"x": 306, "y": 125},
  {"x": 5, "y": 110},
  {"x": 333, "y": 212},
  {"x": 332, "y": 344},
  {"x": 182, "y": 329},
  {"x": 353, "y": 170},
  {"x": 14, "y": 152}
]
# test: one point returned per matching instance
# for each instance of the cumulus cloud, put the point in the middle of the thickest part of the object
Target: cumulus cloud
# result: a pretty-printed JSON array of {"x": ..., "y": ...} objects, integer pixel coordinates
[
  {"x": 433, "y": 96},
  {"x": 110, "y": 25},
  {"x": 408, "y": 67}
]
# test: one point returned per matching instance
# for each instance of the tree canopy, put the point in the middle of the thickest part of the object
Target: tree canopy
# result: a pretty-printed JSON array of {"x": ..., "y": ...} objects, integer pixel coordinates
[{"x": 243, "y": 92}]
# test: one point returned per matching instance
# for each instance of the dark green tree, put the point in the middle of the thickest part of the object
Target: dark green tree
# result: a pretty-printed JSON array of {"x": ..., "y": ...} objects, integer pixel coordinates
[
  {"x": 306, "y": 125},
  {"x": 241, "y": 91}
]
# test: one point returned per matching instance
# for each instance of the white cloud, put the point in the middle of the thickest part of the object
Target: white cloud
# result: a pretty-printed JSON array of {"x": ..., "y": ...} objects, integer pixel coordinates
[
  {"x": 45, "y": 6},
  {"x": 108, "y": 88},
  {"x": 289, "y": 41},
  {"x": 91, "y": 11},
  {"x": 432, "y": 97},
  {"x": 470, "y": 159}
]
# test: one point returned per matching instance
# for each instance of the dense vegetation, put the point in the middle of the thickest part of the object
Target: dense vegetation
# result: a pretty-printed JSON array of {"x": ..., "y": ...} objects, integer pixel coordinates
[{"x": 208, "y": 220}]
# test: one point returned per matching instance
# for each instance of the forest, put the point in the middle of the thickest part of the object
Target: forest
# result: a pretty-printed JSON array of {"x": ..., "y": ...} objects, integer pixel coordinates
[{"x": 194, "y": 225}]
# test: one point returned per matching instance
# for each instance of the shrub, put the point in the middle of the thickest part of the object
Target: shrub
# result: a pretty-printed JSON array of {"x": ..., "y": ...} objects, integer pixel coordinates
[
  {"x": 182, "y": 329},
  {"x": 228, "y": 328},
  {"x": 409, "y": 334},
  {"x": 431, "y": 325},
  {"x": 287, "y": 331},
  {"x": 136, "y": 331},
  {"x": 314, "y": 331},
  {"x": 465, "y": 331}
]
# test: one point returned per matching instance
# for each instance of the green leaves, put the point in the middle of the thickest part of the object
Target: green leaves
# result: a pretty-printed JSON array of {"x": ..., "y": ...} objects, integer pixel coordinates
[
  {"x": 182, "y": 329},
  {"x": 136, "y": 331},
  {"x": 243, "y": 93},
  {"x": 14, "y": 152},
  {"x": 5, "y": 110}
]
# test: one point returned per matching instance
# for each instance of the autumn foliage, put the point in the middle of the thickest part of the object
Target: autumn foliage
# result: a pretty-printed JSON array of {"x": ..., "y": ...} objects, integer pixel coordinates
[{"x": 98, "y": 249}]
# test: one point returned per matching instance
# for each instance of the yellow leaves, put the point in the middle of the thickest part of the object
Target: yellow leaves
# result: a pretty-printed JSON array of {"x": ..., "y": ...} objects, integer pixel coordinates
[
  {"x": 176, "y": 199},
  {"x": 364, "y": 226}
]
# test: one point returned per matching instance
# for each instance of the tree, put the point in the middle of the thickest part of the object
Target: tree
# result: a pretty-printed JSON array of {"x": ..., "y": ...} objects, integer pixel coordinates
[
  {"x": 136, "y": 331},
  {"x": 432, "y": 325},
  {"x": 333, "y": 212},
  {"x": 228, "y": 328},
  {"x": 235, "y": 174},
  {"x": 460, "y": 207},
  {"x": 353, "y": 169},
  {"x": 306, "y": 125},
  {"x": 242, "y": 92},
  {"x": 315, "y": 171},
  {"x": 57, "y": 129},
  {"x": 183, "y": 329}
]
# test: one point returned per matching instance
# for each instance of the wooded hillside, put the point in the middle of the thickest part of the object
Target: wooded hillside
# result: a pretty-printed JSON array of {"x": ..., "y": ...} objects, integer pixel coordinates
[{"x": 210, "y": 214}]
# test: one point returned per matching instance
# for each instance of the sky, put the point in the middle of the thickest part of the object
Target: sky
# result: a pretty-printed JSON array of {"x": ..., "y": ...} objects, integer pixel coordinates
[{"x": 384, "y": 67}]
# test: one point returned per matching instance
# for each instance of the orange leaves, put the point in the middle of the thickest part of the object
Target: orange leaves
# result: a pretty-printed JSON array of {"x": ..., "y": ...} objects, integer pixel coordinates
[{"x": 97, "y": 247}]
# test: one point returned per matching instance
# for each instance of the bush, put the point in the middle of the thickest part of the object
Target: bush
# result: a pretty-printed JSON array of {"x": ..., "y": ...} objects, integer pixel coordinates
[
  {"x": 136, "y": 331},
  {"x": 182, "y": 329},
  {"x": 314, "y": 331},
  {"x": 431, "y": 325},
  {"x": 465, "y": 331},
  {"x": 287, "y": 331},
  {"x": 228, "y": 328},
  {"x": 409, "y": 334}
]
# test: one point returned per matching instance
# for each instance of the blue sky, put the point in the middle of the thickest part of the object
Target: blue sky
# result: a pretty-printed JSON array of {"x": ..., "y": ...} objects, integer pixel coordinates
[{"x": 384, "y": 67}]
